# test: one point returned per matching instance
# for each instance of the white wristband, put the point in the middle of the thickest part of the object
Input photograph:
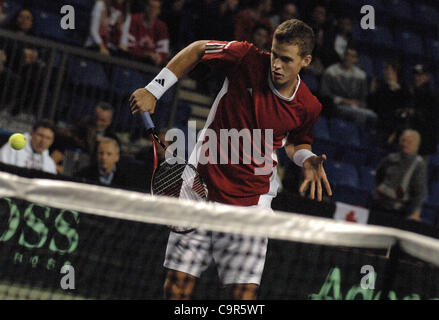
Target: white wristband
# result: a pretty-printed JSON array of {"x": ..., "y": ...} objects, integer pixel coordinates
[
  {"x": 301, "y": 155},
  {"x": 162, "y": 82}
]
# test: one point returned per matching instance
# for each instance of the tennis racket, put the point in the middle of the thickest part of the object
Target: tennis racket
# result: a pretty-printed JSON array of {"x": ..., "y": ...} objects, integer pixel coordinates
[{"x": 174, "y": 177}]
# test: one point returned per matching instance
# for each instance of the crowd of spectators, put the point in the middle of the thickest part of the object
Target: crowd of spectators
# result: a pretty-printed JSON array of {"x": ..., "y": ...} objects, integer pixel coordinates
[{"x": 152, "y": 31}]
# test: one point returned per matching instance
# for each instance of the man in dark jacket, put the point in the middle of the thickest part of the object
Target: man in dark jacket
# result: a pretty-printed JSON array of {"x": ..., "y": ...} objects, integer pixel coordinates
[{"x": 106, "y": 171}]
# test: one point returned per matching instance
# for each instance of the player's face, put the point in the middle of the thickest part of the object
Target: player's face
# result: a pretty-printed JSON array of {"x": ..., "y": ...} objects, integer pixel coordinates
[
  {"x": 286, "y": 64},
  {"x": 42, "y": 139},
  {"x": 107, "y": 156}
]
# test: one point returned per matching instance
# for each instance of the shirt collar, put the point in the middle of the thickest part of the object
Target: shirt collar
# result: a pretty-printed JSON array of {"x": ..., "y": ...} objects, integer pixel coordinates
[{"x": 277, "y": 93}]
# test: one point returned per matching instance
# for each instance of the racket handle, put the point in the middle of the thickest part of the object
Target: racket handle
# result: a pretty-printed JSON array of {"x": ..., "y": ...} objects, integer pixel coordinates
[{"x": 146, "y": 117}]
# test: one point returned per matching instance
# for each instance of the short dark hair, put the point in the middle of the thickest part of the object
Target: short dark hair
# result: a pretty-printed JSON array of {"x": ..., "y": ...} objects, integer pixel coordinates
[
  {"x": 44, "y": 123},
  {"x": 261, "y": 26},
  {"x": 296, "y": 32},
  {"x": 105, "y": 106}
]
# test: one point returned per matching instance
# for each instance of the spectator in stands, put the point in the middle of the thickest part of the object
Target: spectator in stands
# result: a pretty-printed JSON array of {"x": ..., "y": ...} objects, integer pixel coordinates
[
  {"x": 401, "y": 179},
  {"x": 216, "y": 19},
  {"x": 261, "y": 37},
  {"x": 180, "y": 24},
  {"x": 35, "y": 155},
  {"x": 23, "y": 23},
  {"x": 336, "y": 41},
  {"x": 245, "y": 21},
  {"x": 109, "y": 20},
  {"x": 316, "y": 19},
  {"x": 8, "y": 79},
  {"x": 287, "y": 11},
  {"x": 388, "y": 99},
  {"x": 423, "y": 113},
  {"x": 85, "y": 134},
  {"x": 345, "y": 85},
  {"x": 147, "y": 37},
  {"x": 3, "y": 15},
  {"x": 106, "y": 170}
]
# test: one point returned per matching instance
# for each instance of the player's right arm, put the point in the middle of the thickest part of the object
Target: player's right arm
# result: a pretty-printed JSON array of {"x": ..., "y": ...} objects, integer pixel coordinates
[{"x": 142, "y": 100}]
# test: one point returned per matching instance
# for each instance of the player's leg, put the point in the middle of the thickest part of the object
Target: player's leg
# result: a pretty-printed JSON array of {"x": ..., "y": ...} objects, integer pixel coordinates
[
  {"x": 243, "y": 291},
  {"x": 178, "y": 285},
  {"x": 187, "y": 256},
  {"x": 240, "y": 261}
]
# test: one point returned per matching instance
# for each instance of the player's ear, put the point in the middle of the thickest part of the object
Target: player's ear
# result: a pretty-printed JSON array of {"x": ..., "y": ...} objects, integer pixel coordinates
[{"x": 306, "y": 61}]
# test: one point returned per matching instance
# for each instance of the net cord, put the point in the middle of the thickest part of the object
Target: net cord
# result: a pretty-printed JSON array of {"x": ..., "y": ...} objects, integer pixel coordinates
[{"x": 141, "y": 207}]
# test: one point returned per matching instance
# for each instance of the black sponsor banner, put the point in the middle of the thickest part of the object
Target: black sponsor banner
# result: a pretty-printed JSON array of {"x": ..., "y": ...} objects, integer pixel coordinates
[{"x": 118, "y": 259}]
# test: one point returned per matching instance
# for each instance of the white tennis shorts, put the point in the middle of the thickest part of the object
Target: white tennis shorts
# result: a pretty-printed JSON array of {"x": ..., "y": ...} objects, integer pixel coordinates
[{"x": 238, "y": 258}]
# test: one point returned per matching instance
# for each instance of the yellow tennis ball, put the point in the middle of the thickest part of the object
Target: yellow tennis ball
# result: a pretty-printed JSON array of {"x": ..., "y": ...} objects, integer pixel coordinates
[{"x": 17, "y": 141}]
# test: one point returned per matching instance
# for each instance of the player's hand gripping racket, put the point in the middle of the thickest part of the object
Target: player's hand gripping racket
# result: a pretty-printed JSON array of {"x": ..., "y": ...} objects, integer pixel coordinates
[{"x": 174, "y": 177}]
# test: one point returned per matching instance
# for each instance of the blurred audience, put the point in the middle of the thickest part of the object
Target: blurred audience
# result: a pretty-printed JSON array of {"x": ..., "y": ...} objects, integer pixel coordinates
[
  {"x": 84, "y": 135},
  {"x": 423, "y": 113},
  {"x": 215, "y": 19},
  {"x": 401, "y": 179},
  {"x": 147, "y": 37},
  {"x": 35, "y": 154},
  {"x": 388, "y": 99},
  {"x": 261, "y": 36},
  {"x": 336, "y": 41},
  {"x": 345, "y": 84},
  {"x": 287, "y": 11},
  {"x": 180, "y": 24},
  {"x": 245, "y": 20},
  {"x": 3, "y": 15},
  {"x": 109, "y": 20}
]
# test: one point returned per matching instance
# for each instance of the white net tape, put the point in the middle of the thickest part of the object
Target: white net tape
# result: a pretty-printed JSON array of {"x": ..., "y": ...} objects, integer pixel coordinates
[{"x": 123, "y": 204}]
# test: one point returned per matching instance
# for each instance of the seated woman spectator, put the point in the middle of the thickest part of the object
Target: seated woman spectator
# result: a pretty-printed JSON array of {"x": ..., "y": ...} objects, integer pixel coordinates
[
  {"x": 109, "y": 18},
  {"x": 245, "y": 20},
  {"x": 23, "y": 23},
  {"x": 25, "y": 62},
  {"x": 401, "y": 179},
  {"x": 147, "y": 36}
]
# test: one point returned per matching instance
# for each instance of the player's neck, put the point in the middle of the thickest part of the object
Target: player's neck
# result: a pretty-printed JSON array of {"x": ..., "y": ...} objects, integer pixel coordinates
[{"x": 288, "y": 89}]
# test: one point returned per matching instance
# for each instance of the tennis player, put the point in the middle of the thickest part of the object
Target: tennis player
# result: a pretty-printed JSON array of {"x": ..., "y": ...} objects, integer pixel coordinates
[{"x": 261, "y": 91}]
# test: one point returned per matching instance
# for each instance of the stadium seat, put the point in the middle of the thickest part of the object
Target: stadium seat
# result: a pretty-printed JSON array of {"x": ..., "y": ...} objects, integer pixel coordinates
[
  {"x": 432, "y": 48},
  {"x": 87, "y": 73},
  {"x": 352, "y": 196},
  {"x": 433, "y": 195},
  {"x": 355, "y": 156},
  {"x": 372, "y": 138},
  {"x": 367, "y": 178},
  {"x": 321, "y": 129},
  {"x": 378, "y": 5},
  {"x": 382, "y": 37},
  {"x": 342, "y": 174},
  {"x": 425, "y": 14},
  {"x": 375, "y": 155},
  {"x": 429, "y": 214},
  {"x": 344, "y": 131},
  {"x": 325, "y": 147},
  {"x": 311, "y": 81},
  {"x": 366, "y": 63},
  {"x": 11, "y": 8},
  {"x": 410, "y": 43},
  {"x": 125, "y": 81},
  {"x": 47, "y": 25},
  {"x": 399, "y": 8}
]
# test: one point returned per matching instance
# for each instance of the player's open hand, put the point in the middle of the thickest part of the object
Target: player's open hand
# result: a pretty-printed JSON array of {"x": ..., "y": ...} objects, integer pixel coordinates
[
  {"x": 315, "y": 176},
  {"x": 142, "y": 101}
]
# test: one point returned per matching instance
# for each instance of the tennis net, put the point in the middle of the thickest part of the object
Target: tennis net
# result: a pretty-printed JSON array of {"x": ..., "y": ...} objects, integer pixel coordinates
[{"x": 67, "y": 240}]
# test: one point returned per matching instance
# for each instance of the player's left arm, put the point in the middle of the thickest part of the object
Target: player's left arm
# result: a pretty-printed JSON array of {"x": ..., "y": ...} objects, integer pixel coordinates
[{"x": 313, "y": 171}]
